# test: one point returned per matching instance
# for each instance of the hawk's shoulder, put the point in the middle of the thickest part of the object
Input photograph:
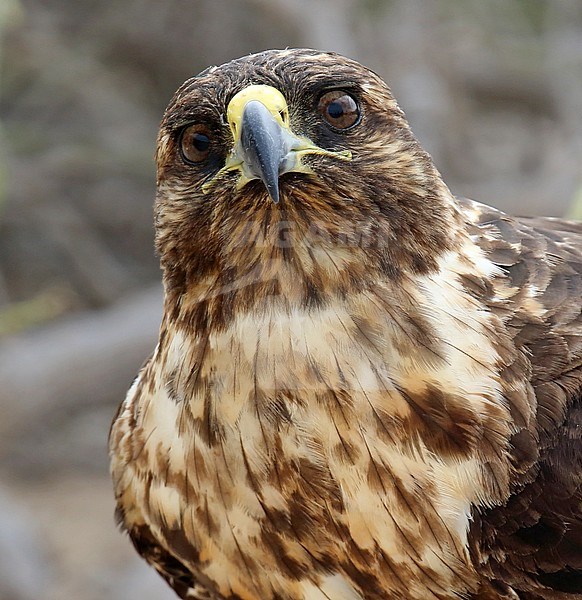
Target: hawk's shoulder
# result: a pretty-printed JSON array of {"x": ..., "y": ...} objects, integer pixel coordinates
[
  {"x": 534, "y": 541},
  {"x": 539, "y": 294}
]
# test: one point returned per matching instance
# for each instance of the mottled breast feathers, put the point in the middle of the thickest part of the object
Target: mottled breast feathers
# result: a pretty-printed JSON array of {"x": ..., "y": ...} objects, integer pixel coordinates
[{"x": 364, "y": 388}]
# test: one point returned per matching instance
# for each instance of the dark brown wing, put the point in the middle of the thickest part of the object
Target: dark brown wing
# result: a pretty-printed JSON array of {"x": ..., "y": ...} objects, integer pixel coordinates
[
  {"x": 534, "y": 542},
  {"x": 176, "y": 574}
]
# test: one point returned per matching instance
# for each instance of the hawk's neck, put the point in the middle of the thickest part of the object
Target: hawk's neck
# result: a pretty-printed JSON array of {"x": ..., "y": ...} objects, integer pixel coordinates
[{"x": 381, "y": 412}]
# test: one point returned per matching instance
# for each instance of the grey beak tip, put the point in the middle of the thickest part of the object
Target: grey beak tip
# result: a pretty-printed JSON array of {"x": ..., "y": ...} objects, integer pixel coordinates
[{"x": 274, "y": 194}]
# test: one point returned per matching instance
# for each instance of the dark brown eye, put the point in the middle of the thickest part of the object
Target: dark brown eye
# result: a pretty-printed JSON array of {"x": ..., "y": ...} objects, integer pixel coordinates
[
  {"x": 195, "y": 143},
  {"x": 339, "y": 109}
]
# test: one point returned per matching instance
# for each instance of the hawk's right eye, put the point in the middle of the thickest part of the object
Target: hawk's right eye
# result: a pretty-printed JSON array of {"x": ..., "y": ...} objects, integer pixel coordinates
[
  {"x": 195, "y": 143},
  {"x": 339, "y": 109}
]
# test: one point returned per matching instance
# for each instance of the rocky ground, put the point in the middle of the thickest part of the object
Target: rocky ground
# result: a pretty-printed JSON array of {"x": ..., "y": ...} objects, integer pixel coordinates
[{"x": 58, "y": 541}]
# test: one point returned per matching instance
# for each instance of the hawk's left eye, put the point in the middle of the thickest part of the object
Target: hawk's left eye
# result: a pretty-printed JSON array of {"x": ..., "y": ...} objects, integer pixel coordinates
[
  {"x": 339, "y": 109},
  {"x": 195, "y": 143}
]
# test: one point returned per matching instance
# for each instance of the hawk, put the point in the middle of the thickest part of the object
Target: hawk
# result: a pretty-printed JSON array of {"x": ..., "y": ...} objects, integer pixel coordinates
[{"x": 364, "y": 387}]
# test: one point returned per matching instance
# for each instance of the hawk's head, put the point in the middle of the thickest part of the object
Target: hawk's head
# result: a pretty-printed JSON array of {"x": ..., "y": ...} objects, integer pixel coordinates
[{"x": 296, "y": 158}]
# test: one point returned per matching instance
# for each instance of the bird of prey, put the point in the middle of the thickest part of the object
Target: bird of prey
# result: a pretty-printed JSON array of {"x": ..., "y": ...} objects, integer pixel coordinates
[{"x": 364, "y": 388}]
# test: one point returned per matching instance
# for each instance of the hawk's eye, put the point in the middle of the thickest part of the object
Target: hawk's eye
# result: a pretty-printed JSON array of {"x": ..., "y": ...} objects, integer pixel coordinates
[
  {"x": 339, "y": 109},
  {"x": 195, "y": 143}
]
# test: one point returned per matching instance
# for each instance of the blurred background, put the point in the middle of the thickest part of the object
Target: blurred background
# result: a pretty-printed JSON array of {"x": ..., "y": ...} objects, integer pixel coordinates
[{"x": 493, "y": 89}]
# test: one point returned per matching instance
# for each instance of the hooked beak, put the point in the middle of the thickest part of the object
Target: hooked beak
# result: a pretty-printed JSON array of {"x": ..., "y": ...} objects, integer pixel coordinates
[{"x": 264, "y": 145}]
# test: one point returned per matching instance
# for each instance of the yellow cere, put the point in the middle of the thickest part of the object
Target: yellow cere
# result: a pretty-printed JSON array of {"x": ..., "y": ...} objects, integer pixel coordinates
[{"x": 272, "y": 98}]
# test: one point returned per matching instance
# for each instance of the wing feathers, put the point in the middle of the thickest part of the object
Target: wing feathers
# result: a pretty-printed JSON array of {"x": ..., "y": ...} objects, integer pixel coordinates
[{"x": 534, "y": 542}]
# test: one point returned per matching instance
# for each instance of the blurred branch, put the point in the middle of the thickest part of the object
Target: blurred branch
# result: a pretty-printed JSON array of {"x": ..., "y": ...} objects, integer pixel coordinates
[
  {"x": 45, "y": 306},
  {"x": 575, "y": 210},
  {"x": 80, "y": 361}
]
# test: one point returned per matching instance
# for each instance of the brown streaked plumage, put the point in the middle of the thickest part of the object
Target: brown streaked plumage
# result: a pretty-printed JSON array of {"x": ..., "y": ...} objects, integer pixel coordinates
[{"x": 364, "y": 388}]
